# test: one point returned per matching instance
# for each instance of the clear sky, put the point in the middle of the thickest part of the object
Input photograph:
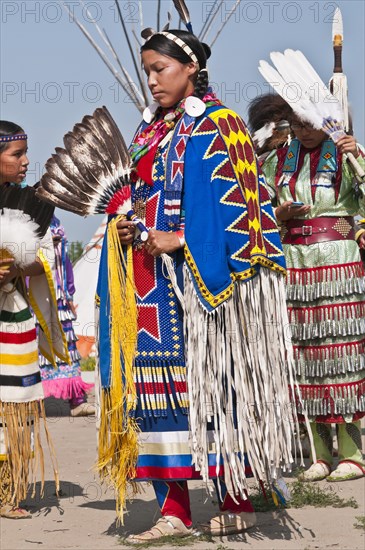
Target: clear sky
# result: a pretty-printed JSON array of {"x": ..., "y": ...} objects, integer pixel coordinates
[{"x": 51, "y": 77}]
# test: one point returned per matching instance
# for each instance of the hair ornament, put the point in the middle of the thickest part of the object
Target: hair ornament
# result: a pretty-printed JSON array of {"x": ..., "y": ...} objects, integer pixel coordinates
[
  {"x": 205, "y": 70},
  {"x": 147, "y": 33},
  {"x": 183, "y": 11}
]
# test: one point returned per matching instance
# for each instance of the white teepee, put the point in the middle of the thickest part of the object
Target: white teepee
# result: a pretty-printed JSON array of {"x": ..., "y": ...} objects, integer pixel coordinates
[{"x": 86, "y": 276}]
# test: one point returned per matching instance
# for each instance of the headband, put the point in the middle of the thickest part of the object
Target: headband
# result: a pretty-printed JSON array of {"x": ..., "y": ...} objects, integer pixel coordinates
[
  {"x": 183, "y": 45},
  {"x": 15, "y": 137}
]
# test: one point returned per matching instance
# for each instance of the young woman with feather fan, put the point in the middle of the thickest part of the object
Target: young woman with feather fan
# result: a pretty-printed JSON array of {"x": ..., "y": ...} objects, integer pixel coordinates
[
  {"x": 24, "y": 252},
  {"x": 198, "y": 378},
  {"x": 194, "y": 361},
  {"x": 325, "y": 284}
]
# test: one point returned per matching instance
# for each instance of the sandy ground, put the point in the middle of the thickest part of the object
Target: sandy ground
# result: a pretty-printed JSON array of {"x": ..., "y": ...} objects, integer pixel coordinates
[{"x": 84, "y": 517}]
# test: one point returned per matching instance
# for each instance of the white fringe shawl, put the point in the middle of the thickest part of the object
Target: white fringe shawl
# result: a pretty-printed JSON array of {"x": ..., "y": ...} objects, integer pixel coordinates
[{"x": 246, "y": 342}]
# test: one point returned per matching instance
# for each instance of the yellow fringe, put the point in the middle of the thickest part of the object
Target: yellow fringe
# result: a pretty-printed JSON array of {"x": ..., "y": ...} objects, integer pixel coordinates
[
  {"x": 4, "y": 254},
  {"x": 21, "y": 425},
  {"x": 63, "y": 355},
  {"x": 118, "y": 434}
]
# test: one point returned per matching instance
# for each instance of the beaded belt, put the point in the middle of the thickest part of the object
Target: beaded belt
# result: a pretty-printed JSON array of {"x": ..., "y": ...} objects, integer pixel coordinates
[{"x": 317, "y": 230}]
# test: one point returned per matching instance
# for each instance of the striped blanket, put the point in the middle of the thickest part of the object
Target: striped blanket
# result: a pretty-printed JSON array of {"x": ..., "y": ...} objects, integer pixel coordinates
[{"x": 20, "y": 379}]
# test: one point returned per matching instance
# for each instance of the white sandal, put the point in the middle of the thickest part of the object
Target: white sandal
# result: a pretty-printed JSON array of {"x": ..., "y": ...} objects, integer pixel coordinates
[
  {"x": 346, "y": 471},
  {"x": 84, "y": 409},
  {"x": 228, "y": 523},
  {"x": 318, "y": 471},
  {"x": 167, "y": 526}
]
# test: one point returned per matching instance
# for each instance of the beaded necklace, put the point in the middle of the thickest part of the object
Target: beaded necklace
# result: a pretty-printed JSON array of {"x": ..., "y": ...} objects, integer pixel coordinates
[
  {"x": 143, "y": 152},
  {"x": 165, "y": 120}
]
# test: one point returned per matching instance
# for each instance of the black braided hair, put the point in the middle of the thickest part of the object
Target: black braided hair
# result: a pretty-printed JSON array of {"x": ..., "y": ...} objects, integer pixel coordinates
[
  {"x": 161, "y": 44},
  {"x": 8, "y": 129},
  {"x": 202, "y": 83}
]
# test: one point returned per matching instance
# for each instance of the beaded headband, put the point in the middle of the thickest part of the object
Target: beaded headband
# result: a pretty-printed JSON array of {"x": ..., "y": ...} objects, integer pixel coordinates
[
  {"x": 15, "y": 137},
  {"x": 183, "y": 45}
]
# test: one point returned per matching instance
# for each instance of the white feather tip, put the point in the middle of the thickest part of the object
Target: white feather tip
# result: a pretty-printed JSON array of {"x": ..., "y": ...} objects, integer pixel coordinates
[{"x": 19, "y": 236}]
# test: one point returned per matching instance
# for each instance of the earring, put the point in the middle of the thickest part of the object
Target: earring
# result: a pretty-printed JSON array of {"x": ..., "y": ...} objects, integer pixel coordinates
[{"x": 149, "y": 112}]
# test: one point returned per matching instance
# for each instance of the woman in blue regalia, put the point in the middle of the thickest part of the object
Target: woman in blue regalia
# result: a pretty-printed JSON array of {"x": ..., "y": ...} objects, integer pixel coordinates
[{"x": 210, "y": 374}]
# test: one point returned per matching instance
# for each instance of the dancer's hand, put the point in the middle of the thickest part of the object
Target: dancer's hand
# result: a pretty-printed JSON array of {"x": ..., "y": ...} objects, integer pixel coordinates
[
  {"x": 347, "y": 144},
  {"x": 286, "y": 211},
  {"x": 160, "y": 242},
  {"x": 7, "y": 270},
  {"x": 126, "y": 231},
  {"x": 361, "y": 241}
]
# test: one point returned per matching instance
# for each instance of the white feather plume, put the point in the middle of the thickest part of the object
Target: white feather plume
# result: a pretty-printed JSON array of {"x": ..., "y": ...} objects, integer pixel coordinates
[
  {"x": 299, "y": 84},
  {"x": 18, "y": 236},
  {"x": 301, "y": 87},
  {"x": 264, "y": 133}
]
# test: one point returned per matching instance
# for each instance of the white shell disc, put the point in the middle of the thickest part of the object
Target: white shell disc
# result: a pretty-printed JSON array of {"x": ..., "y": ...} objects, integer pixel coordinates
[
  {"x": 149, "y": 112},
  {"x": 194, "y": 106}
]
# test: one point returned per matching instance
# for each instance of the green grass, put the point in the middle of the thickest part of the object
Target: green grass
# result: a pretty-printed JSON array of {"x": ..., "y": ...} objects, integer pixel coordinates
[
  {"x": 302, "y": 494},
  {"x": 360, "y": 522},
  {"x": 311, "y": 494},
  {"x": 260, "y": 503},
  {"x": 87, "y": 364}
]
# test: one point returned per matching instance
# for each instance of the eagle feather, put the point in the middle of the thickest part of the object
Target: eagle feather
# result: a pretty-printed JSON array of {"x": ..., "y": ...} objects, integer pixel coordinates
[{"x": 183, "y": 11}]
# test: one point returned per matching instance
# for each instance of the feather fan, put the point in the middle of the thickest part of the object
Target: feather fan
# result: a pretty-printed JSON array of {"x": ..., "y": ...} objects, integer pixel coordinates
[
  {"x": 183, "y": 11},
  {"x": 301, "y": 87},
  {"x": 84, "y": 176},
  {"x": 91, "y": 176}
]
